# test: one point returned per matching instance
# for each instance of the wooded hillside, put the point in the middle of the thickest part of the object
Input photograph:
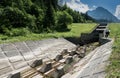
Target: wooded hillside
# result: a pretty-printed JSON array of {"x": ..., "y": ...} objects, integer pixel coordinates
[{"x": 18, "y": 17}]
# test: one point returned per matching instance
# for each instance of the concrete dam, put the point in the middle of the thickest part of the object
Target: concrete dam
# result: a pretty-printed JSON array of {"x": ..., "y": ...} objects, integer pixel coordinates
[{"x": 57, "y": 57}]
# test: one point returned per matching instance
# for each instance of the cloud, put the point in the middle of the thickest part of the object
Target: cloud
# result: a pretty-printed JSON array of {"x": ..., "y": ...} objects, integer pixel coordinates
[
  {"x": 93, "y": 8},
  {"x": 117, "y": 12},
  {"x": 78, "y": 6}
]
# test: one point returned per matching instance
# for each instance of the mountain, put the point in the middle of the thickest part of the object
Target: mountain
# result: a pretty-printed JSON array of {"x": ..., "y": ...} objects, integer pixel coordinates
[
  {"x": 101, "y": 14},
  {"x": 117, "y": 13}
]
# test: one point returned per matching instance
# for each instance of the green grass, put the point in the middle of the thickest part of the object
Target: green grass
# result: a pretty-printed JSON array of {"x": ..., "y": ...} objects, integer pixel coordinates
[
  {"x": 113, "y": 69},
  {"x": 76, "y": 30}
]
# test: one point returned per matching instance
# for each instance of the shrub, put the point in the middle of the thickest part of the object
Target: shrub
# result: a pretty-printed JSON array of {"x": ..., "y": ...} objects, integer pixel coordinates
[
  {"x": 64, "y": 19},
  {"x": 15, "y": 16},
  {"x": 17, "y": 32}
]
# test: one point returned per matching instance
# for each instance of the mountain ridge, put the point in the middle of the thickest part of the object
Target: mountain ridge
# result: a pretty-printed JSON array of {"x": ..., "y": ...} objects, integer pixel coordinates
[{"x": 101, "y": 14}]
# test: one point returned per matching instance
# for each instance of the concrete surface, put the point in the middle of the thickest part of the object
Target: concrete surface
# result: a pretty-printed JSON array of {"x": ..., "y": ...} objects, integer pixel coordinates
[{"x": 19, "y": 55}]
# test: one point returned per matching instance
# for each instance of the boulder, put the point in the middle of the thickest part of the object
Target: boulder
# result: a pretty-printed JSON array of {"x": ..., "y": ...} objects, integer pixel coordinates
[
  {"x": 81, "y": 55},
  {"x": 75, "y": 56},
  {"x": 72, "y": 53}
]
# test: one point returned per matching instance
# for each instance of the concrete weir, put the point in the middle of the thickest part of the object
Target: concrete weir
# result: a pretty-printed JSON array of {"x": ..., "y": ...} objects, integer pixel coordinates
[
  {"x": 15, "y": 57},
  {"x": 57, "y": 57}
]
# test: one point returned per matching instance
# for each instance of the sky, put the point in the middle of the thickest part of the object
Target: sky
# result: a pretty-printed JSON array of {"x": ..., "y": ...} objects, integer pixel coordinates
[
  {"x": 108, "y": 4},
  {"x": 83, "y": 6}
]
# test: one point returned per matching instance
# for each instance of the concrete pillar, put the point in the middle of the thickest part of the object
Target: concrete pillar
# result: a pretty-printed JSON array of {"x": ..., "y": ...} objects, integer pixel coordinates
[
  {"x": 46, "y": 67},
  {"x": 65, "y": 51},
  {"x": 37, "y": 63},
  {"x": 58, "y": 57},
  {"x": 59, "y": 72},
  {"x": 17, "y": 75},
  {"x": 69, "y": 60}
]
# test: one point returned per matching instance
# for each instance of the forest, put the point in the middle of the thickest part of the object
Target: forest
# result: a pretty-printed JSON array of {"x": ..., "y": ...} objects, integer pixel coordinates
[{"x": 19, "y": 17}]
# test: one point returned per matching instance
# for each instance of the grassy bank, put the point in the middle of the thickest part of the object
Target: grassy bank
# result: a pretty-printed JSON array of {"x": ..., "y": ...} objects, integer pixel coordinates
[
  {"x": 76, "y": 30},
  {"x": 113, "y": 69}
]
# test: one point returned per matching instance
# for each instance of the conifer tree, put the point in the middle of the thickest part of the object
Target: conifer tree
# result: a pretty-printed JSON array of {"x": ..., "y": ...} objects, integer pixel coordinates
[{"x": 49, "y": 19}]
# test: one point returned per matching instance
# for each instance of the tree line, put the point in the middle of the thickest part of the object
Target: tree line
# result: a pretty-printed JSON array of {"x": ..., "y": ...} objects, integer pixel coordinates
[{"x": 37, "y": 16}]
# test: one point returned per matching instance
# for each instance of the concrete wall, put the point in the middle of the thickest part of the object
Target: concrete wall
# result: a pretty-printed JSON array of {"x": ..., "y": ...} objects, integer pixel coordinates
[
  {"x": 98, "y": 32},
  {"x": 87, "y": 38}
]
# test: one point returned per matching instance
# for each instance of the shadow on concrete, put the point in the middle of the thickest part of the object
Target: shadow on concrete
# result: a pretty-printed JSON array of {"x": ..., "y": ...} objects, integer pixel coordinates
[
  {"x": 104, "y": 41},
  {"x": 74, "y": 40}
]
